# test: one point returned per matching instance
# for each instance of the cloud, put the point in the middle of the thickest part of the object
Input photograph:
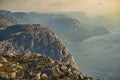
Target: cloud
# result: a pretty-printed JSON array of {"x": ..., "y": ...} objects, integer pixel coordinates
[{"x": 88, "y": 6}]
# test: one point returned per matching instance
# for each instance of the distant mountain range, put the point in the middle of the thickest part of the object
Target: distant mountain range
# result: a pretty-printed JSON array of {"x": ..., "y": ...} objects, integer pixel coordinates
[
  {"x": 6, "y": 21},
  {"x": 64, "y": 25}
]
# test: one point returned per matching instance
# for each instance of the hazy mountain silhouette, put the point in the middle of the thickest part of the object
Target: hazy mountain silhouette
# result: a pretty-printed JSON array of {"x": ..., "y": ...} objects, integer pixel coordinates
[
  {"x": 63, "y": 24},
  {"x": 6, "y": 21}
]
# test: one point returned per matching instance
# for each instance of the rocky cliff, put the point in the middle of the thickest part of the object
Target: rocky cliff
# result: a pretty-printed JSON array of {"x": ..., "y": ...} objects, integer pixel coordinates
[
  {"x": 36, "y": 67},
  {"x": 36, "y": 39}
]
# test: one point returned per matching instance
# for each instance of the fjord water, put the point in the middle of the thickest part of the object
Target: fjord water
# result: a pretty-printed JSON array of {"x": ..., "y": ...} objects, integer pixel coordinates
[{"x": 99, "y": 56}]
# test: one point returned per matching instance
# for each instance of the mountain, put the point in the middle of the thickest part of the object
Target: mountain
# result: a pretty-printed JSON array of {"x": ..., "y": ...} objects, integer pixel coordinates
[
  {"x": 67, "y": 25},
  {"x": 20, "y": 17},
  {"x": 5, "y": 12},
  {"x": 6, "y": 20},
  {"x": 89, "y": 39},
  {"x": 31, "y": 66},
  {"x": 62, "y": 25},
  {"x": 68, "y": 28},
  {"x": 36, "y": 39}
]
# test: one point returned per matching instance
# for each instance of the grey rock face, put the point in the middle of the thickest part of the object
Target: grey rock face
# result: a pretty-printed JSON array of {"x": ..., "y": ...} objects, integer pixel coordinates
[{"x": 34, "y": 38}]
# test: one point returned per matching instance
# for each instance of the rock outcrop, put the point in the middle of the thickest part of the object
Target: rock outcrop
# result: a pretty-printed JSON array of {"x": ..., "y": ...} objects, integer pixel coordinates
[
  {"x": 36, "y": 67},
  {"x": 36, "y": 39}
]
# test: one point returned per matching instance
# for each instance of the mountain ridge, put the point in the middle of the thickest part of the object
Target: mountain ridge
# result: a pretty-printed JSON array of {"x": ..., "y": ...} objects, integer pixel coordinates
[
  {"x": 6, "y": 20},
  {"x": 34, "y": 38}
]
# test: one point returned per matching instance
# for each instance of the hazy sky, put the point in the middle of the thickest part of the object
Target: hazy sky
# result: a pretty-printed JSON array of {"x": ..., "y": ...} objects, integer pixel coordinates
[{"x": 88, "y": 6}]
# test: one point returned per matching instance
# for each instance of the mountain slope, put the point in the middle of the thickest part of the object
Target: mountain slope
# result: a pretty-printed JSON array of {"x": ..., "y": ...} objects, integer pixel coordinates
[
  {"x": 34, "y": 38},
  {"x": 20, "y": 17},
  {"x": 6, "y": 20},
  {"x": 33, "y": 67}
]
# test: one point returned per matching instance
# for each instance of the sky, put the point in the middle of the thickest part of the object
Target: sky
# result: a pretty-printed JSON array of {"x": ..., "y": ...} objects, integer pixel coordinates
[{"x": 93, "y": 7}]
